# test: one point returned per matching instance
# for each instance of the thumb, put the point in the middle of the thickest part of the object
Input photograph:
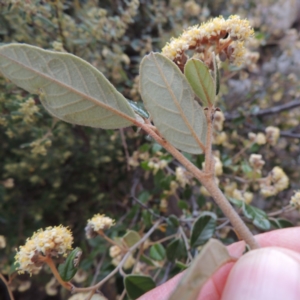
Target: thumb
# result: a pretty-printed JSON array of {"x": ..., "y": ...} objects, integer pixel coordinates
[{"x": 267, "y": 273}]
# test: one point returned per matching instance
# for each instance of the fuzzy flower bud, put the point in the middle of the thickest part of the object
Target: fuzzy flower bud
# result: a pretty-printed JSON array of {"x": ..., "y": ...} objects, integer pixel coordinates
[
  {"x": 256, "y": 162},
  {"x": 276, "y": 182},
  {"x": 295, "y": 200},
  {"x": 247, "y": 197},
  {"x": 98, "y": 222},
  {"x": 272, "y": 135}
]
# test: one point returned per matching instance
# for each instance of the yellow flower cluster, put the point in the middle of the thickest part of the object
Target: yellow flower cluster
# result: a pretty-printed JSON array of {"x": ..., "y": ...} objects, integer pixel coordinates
[
  {"x": 276, "y": 182},
  {"x": 98, "y": 222},
  {"x": 224, "y": 37},
  {"x": 28, "y": 109},
  {"x": 115, "y": 253},
  {"x": 244, "y": 196},
  {"x": 52, "y": 241}
]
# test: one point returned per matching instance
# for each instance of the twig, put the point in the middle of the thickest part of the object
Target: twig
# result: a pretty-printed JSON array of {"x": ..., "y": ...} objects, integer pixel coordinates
[
  {"x": 289, "y": 134},
  {"x": 208, "y": 153},
  {"x": 133, "y": 188},
  {"x": 92, "y": 289},
  {"x": 163, "y": 240},
  {"x": 122, "y": 295},
  {"x": 11, "y": 296},
  {"x": 125, "y": 148},
  {"x": 268, "y": 111},
  {"x": 167, "y": 272},
  {"x": 186, "y": 242},
  {"x": 286, "y": 209},
  {"x": 97, "y": 270}
]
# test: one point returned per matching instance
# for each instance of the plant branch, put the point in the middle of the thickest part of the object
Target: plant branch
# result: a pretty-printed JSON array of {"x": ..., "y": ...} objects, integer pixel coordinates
[
  {"x": 124, "y": 259},
  {"x": 11, "y": 296},
  {"x": 208, "y": 181},
  {"x": 208, "y": 153},
  {"x": 48, "y": 260},
  {"x": 268, "y": 111}
]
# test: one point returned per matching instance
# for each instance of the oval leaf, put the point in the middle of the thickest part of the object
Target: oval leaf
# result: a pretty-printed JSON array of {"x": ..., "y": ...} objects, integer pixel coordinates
[
  {"x": 137, "y": 285},
  {"x": 170, "y": 100},
  {"x": 157, "y": 252},
  {"x": 259, "y": 217},
  {"x": 131, "y": 238},
  {"x": 199, "y": 78},
  {"x": 211, "y": 258},
  {"x": 69, "y": 88},
  {"x": 175, "y": 250},
  {"x": 203, "y": 229},
  {"x": 68, "y": 269}
]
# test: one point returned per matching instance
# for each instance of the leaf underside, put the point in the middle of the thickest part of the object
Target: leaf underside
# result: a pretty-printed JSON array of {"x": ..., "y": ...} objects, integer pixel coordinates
[
  {"x": 170, "y": 100},
  {"x": 69, "y": 88},
  {"x": 213, "y": 255}
]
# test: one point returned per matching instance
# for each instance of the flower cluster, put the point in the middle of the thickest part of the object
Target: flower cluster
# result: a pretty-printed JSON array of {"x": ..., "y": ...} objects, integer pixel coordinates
[
  {"x": 224, "y": 37},
  {"x": 115, "y": 253},
  {"x": 97, "y": 223},
  {"x": 244, "y": 196},
  {"x": 52, "y": 241},
  {"x": 276, "y": 182},
  {"x": 28, "y": 109},
  {"x": 295, "y": 200},
  {"x": 256, "y": 162}
]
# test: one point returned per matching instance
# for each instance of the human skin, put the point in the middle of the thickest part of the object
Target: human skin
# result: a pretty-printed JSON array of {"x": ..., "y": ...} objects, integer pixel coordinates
[{"x": 272, "y": 272}]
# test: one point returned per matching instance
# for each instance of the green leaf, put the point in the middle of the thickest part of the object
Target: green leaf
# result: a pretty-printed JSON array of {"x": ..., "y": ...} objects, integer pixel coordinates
[
  {"x": 238, "y": 203},
  {"x": 69, "y": 88},
  {"x": 211, "y": 258},
  {"x": 203, "y": 229},
  {"x": 173, "y": 221},
  {"x": 147, "y": 260},
  {"x": 68, "y": 269},
  {"x": 199, "y": 78},
  {"x": 157, "y": 252},
  {"x": 139, "y": 108},
  {"x": 170, "y": 100},
  {"x": 175, "y": 250},
  {"x": 216, "y": 75},
  {"x": 281, "y": 223},
  {"x": 182, "y": 204},
  {"x": 147, "y": 218},
  {"x": 137, "y": 285},
  {"x": 131, "y": 238},
  {"x": 259, "y": 217},
  {"x": 181, "y": 265}
]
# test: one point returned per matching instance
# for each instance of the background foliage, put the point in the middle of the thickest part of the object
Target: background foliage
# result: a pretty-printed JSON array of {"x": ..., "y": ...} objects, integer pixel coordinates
[{"x": 55, "y": 173}]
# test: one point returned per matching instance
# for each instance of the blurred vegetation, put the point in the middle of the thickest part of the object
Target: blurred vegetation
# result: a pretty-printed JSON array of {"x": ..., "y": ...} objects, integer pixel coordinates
[{"x": 55, "y": 173}]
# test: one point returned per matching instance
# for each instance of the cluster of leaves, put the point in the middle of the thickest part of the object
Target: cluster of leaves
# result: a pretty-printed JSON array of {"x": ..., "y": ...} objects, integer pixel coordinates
[{"x": 85, "y": 170}]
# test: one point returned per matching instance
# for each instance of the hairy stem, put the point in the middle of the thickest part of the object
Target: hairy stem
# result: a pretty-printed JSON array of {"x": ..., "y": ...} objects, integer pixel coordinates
[
  {"x": 209, "y": 166},
  {"x": 208, "y": 181},
  {"x": 48, "y": 260},
  {"x": 236, "y": 221}
]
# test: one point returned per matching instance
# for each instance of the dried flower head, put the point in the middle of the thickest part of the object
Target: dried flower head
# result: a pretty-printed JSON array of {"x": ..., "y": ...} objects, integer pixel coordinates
[
  {"x": 52, "y": 241},
  {"x": 256, "y": 162},
  {"x": 295, "y": 200},
  {"x": 272, "y": 135},
  {"x": 223, "y": 37},
  {"x": 244, "y": 196},
  {"x": 97, "y": 223},
  {"x": 276, "y": 182}
]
